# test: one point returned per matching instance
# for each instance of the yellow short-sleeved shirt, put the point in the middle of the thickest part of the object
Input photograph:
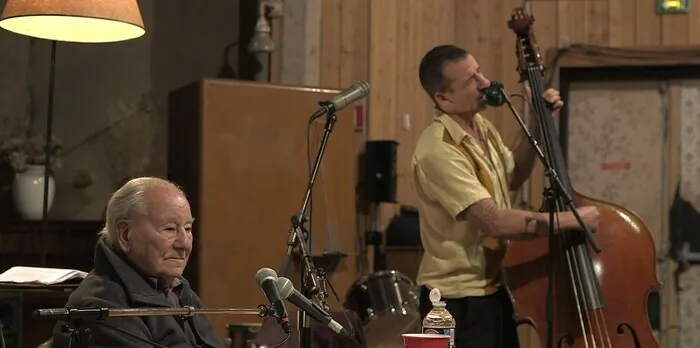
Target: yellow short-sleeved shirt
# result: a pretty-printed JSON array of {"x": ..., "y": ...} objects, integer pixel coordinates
[{"x": 452, "y": 172}]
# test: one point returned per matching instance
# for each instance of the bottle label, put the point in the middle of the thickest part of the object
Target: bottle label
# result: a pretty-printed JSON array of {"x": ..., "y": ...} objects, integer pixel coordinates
[{"x": 440, "y": 331}]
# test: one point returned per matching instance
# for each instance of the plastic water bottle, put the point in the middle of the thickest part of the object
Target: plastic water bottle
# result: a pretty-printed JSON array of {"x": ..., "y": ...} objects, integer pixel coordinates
[{"x": 439, "y": 321}]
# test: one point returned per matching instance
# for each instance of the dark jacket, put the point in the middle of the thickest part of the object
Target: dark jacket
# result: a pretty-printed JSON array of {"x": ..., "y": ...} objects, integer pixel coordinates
[{"x": 115, "y": 283}]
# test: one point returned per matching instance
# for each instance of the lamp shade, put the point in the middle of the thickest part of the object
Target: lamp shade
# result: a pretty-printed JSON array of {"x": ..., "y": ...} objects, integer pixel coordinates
[{"x": 85, "y": 21}]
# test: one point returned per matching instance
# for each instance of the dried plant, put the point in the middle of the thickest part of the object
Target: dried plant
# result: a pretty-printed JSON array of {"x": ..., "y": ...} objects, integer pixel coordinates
[
  {"x": 19, "y": 147},
  {"x": 21, "y": 151}
]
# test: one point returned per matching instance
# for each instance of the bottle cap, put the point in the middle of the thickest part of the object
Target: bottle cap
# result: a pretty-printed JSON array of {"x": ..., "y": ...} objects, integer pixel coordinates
[{"x": 435, "y": 295}]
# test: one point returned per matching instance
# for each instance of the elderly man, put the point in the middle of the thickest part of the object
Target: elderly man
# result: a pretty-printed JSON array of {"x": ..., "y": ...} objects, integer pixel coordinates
[{"x": 139, "y": 260}]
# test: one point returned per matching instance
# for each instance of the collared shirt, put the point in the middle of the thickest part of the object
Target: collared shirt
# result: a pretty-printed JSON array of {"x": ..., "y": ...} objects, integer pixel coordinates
[
  {"x": 451, "y": 172},
  {"x": 172, "y": 291}
]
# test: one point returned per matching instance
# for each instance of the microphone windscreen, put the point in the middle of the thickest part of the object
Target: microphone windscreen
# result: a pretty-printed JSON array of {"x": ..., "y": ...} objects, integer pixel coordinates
[
  {"x": 493, "y": 95},
  {"x": 263, "y": 274}
]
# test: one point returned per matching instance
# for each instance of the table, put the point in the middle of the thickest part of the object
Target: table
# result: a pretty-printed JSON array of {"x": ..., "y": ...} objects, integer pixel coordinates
[{"x": 17, "y": 302}]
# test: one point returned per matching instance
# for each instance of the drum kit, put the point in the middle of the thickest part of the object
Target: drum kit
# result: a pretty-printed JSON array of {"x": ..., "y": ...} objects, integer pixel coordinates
[{"x": 387, "y": 303}]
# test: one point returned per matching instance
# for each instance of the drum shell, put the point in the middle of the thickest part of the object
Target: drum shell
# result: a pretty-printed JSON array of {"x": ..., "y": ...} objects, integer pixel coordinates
[{"x": 383, "y": 293}]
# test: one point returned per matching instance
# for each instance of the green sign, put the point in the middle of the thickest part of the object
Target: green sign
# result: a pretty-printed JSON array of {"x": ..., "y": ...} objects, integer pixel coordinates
[{"x": 671, "y": 6}]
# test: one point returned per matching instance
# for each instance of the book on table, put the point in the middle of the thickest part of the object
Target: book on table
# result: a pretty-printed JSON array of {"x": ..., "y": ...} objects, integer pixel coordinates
[{"x": 22, "y": 275}]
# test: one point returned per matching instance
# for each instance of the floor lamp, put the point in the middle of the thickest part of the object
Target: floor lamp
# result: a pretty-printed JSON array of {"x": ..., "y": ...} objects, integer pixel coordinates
[{"x": 80, "y": 21}]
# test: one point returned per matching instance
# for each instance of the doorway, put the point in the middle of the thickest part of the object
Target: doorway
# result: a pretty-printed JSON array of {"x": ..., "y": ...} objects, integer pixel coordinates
[{"x": 623, "y": 130}]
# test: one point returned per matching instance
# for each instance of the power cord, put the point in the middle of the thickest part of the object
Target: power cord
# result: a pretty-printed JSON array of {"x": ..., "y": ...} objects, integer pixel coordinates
[{"x": 286, "y": 338}]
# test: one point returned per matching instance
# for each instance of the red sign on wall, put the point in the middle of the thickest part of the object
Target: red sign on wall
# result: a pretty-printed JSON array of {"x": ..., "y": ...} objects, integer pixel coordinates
[
  {"x": 359, "y": 118},
  {"x": 615, "y": 166}
]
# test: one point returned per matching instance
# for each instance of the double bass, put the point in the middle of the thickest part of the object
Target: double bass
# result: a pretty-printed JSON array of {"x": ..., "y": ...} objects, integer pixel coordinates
[{"x": 572, "y": 293}]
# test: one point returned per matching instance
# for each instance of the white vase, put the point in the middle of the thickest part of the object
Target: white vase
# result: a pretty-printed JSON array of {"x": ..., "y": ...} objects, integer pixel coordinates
[{"x": 28, "y": 192}]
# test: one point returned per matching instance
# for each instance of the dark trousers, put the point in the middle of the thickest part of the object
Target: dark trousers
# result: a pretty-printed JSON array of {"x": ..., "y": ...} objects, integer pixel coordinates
[{"x": 481, "y": 322}]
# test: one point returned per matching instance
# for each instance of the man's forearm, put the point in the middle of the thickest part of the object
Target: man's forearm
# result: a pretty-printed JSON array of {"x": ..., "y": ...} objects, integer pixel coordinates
[
  {"x": 520, "y": 224},
  {"x": 513, "y": 223}
]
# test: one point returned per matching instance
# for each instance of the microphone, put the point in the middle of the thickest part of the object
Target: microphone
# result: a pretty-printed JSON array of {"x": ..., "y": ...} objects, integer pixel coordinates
[
  {"x": 340, "y": 101},
  {"x": 287, "y": 291},
  {"x": 493, "y": 94},
  {"x": 267, "y": 281}
]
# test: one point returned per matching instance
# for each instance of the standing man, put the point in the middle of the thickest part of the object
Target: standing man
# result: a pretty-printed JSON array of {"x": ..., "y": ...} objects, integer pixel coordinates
[{"x": 463, "y": 174}]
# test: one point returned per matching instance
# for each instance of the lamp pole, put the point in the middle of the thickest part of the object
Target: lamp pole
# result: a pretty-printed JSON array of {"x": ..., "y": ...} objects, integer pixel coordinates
[{"x": 47, "y": 152}]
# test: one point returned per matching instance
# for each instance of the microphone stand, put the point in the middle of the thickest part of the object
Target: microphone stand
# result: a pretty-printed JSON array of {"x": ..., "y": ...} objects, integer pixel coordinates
[
  {"x": 299, "y": 236},
  {"x": 80, "y": 321},
  {"x": 553, "y": 193}
]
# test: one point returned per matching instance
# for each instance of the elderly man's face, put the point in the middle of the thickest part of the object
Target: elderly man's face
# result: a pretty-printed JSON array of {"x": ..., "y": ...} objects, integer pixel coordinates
[{"x": 161, "y": 241}]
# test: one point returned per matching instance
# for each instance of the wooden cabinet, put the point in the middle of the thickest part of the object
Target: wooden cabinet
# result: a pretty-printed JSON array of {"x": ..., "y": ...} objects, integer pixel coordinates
[{"x": 239, "y": 151}]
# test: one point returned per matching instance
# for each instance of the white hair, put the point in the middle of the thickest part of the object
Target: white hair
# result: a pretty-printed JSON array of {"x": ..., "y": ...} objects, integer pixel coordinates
[{"x": 129, "y": 201}]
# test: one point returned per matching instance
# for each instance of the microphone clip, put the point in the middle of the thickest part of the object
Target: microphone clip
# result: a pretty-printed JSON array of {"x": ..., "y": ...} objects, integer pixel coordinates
[
  {"x": 327, "y": 108},
  {"x": 327, "y": 104},
  {"x": 322, "y": 294},
  {"x": 267, "y": 311},
  {"x": 298, "y": 223}
]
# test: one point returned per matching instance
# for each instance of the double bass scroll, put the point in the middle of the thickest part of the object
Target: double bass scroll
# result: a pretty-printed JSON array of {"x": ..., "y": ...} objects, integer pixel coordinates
[{"x": 578, "y": 290}]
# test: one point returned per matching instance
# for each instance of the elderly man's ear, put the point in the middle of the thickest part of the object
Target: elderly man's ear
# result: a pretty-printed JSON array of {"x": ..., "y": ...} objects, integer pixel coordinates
[{"x": 123, "y": 235}]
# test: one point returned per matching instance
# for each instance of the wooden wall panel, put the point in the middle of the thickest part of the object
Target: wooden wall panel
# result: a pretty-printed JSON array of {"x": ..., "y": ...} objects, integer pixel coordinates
[
  {"x": 344, "y": 42},
  {"x": 344, "y": 55},
  {"x": 402, "y": 31},
  {"x": 382, "y": 41}
]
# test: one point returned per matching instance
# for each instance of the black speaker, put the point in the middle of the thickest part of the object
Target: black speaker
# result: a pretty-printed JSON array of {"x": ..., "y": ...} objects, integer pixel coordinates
[{"x": 380, "y": 171}]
